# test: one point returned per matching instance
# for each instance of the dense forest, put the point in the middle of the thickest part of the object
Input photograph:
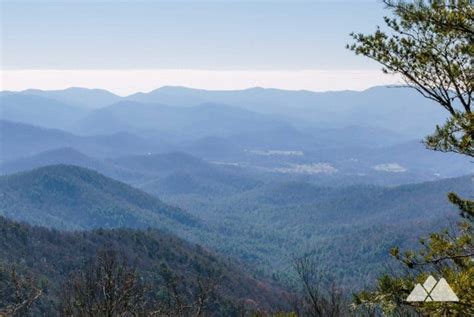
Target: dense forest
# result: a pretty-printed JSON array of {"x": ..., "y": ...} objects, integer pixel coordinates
[
  {"x": 168, "y": 273},
  {"x": 263, "y": 225}
]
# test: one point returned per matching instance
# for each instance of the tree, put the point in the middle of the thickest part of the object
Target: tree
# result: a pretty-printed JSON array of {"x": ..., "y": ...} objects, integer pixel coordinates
[
  {"x": 319, "y": 298},
  {"x": 17, "y": 292},
  {"x": 430, "y": 44},
  {"x": 107, "y": 286},
  {"x": 181, "y": 298}
]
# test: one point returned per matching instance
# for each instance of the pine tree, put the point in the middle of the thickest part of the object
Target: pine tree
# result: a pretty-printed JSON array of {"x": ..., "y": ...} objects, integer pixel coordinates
[{"x": 430, "y": 44}]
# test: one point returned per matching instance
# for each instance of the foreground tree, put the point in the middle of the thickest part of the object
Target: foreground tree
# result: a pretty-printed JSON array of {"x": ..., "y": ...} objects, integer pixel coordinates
[
  {"x": 181, "y": 297},
  {"x": 17, "y": 292},
  {"x": 314, "y": 294},
  {"x": 107, "y": 286},
  {"x": 430, "y": 45}
]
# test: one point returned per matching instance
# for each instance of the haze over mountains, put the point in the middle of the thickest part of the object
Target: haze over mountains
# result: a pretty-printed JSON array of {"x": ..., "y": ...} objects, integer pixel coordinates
[
  {"x": 353, "y": 133},
  {"x": 251, "y": 174},
  {"x": 381, "y": 107}
]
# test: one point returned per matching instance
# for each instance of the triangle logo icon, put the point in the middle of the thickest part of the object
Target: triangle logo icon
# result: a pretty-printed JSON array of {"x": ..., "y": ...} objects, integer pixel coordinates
[
  {"x": 418, "y": 294},
  {"x": 429, "y": 284},
  {"x": 432, "y": 291},
  {"x": 443, "y": 292}
]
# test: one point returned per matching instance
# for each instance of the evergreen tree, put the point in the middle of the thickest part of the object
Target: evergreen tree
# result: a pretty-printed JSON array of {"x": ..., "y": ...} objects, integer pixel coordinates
[{"x": 430, "y": 44}]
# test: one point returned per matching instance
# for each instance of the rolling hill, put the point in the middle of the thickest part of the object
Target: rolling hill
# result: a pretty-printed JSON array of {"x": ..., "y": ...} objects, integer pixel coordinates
[
  {"x": 70, "y": 198},
  {"x": 162, "y": 121},
  {"x": 258, "y": 224},
  {"x": 18, "y": 140},
  {"x": 170, "y": 173},
  {"x": 350, "y": 228},
  {"x": 51, "y": 256},
  {"x": 67, "y": 156},
  {"x": 40, "y": 111},
  {"x": 181, "y": 173}
]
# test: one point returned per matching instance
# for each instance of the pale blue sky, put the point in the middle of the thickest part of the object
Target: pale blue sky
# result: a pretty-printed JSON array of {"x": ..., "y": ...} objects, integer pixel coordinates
[
  {"x": 184, "y": 34},
  {"x": 192, "y": 35}
]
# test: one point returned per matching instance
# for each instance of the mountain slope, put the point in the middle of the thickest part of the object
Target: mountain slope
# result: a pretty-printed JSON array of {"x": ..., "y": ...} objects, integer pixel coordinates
[
  {"x": 39, "y": 111},
  {"x": 193, "y": 122},
  {"x": 67, "y": 156},
  {"x": 70, "y": 197},
  {"x": 50, "y": 256},
  {"x": 351, "y": 229},
  {"x": 18, "y": 140},
  {"x": 180, "y": 173}
]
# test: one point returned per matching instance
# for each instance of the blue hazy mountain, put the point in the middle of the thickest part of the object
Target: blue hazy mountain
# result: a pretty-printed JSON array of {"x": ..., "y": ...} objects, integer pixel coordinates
[
  {"x": 351, "y": 155},
  {"x": 40, "y": 111},
  {"x": 169, "y": 172},
  {"x": 398, "y": 109},
  {"x": 19, "y": 140},
  {"x": 193, "y": 122},
  {"x": 401, "y": 110},
  {"x": 68, "y": 156},
  {"x": 80, "y": 97},
  {"x": 181, "y": 173}
]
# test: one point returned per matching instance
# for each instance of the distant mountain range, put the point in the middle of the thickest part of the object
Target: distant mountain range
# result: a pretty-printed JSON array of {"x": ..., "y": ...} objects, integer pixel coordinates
[
  {"x": 68, "y": 156},
  {"x": 180, "y": 173},
  {"x": 398, "y": 109},
  {"x": 223, "y": 164},
  {"x": 79, "y": 97},
  {"x": 40, "y": 111},
  {"x": 193, "y": 122},
  {"x": 19, "y": 140}
]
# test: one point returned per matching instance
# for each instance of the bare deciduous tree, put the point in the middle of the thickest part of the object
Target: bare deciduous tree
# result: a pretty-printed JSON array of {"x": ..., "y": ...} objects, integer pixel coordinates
[
  {"x": 319, "y": 298},
  {"x": 17, "y": 292},
  {"x": 180, "y": 298},
  {"x": 107, "y": 286}
]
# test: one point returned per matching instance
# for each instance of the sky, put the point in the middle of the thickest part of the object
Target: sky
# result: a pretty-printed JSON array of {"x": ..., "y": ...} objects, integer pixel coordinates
[{"x": 129, "y": 46}]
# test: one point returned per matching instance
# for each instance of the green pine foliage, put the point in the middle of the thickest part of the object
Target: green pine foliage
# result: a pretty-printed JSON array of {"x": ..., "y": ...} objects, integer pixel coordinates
[{"x": 430, "y": 44}]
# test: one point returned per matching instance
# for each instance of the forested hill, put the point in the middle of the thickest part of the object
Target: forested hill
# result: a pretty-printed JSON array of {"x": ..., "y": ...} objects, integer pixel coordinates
[
  {"x": 49, "y": 257},
  {"x": 71, "y": 197},
  {"x": 350, "y": 229}
]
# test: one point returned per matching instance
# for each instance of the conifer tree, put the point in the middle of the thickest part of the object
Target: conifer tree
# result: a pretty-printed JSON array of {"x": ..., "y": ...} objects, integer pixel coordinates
[{"x": 430, "y": 44}]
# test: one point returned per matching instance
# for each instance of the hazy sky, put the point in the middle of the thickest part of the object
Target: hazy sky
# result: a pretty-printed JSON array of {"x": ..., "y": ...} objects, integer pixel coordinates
[{"x": 213, "y": 44}]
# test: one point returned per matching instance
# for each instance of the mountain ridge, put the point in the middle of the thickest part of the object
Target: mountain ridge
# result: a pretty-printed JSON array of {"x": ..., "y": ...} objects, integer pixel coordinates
[{"x": 70, "y": 197}]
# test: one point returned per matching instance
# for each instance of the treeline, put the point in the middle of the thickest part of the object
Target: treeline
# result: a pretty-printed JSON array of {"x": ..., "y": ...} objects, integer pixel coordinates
[
  {"x": 167, "y": 272},
  {"x": 108, "y": 285}
]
